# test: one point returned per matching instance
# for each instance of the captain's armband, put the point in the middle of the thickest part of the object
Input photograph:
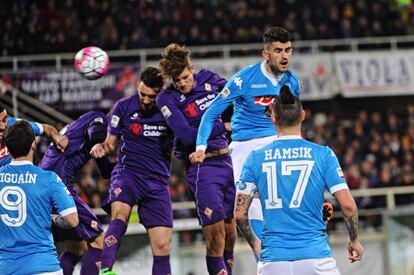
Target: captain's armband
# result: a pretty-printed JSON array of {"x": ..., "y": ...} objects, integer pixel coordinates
[{"x": 246, "y": 188}]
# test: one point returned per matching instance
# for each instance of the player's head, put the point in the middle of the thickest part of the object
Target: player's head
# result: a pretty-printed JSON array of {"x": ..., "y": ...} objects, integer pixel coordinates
[
  {"x": 287, "y": 109},
  {"x": 150, "y": 84},
  {"x": 3, "y": 121},
  {"x": 277, "y": 49},
  {"x": 20, "y": 139},
  {"x": 175, "y": 65}
]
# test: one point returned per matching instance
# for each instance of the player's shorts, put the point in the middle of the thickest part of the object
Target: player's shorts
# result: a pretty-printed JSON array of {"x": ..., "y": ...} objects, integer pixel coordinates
[
  {"x": 325, "y": 266},
  {"x": 151, "y": 196},
  {"x": 239, "y": 150},
  {"x": 89, "y": 226},
  {"x": 212, "y": 187}
]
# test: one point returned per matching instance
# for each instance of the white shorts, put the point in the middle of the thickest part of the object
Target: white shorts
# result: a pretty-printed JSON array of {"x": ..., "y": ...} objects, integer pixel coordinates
[
  {"x": 58, "y": 272},
  {"x": 239, "y": 150},
  {"x": 326, "y": 266}
]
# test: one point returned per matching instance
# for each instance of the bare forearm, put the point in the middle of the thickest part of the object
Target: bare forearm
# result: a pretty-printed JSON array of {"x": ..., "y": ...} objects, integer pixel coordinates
[
  {"x": 351, "y": 223},
  {"x": 246, "y": 231}
]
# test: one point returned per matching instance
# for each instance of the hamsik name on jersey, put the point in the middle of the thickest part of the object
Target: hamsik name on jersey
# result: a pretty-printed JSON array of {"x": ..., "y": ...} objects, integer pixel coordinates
[{"x": 288, "y": 153}]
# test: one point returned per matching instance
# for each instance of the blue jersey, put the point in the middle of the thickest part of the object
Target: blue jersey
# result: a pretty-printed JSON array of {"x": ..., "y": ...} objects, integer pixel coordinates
[
  {"x": 291, "y": 175},
  {"x": 252, "y": 90},
  {"x": 27, "y": 196},
  {"x": 5, "y": 157}
]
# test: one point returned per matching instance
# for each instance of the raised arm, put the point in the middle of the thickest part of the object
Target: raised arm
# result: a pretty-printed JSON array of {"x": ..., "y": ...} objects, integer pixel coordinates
[
  {"x": 350, "y": 212},
  {"x": 60, "y": 141}
]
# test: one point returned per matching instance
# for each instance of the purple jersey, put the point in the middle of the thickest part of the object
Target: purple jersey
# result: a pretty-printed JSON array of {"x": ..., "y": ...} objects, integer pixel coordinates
[
  {"x": 183, "y": 112},
  {"x": 145, "y": 139},
  {"x": 83, "y": 133}
]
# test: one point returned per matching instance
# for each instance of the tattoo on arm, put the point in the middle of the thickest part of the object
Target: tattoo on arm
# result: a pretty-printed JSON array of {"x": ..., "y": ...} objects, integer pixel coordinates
[
  {"x": 242, "y": 207},
  {"x": 352, "y": 226}
]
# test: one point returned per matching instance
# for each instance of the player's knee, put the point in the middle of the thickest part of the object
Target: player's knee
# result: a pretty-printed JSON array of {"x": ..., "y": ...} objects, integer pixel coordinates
[
  {"x": 162, "y": 246},
  {"x": 215, "y": 238},
  {"x": 98, "y": 241},
  {"x": 77, "y": 248}
]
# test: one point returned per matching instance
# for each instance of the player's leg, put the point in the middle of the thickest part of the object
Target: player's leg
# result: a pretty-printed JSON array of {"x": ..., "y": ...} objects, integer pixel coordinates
[
  {"x": 91, "y": 261},
  {"x": 73, "y": 253},
  {"x": 160, "y": 239},
  {"x": 155, "y": 214},
  {"x": 212, "y": 188},
  {"x": 230, "y": 241},
  {"x": 120, "y": 213}
]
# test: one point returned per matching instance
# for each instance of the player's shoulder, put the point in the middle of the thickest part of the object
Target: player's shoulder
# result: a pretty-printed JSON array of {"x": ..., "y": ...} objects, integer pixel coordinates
[
  {"x": 97, "y": 116},
  {"x": 167, "y": 94},
  {"x": 293, "y": 81}
]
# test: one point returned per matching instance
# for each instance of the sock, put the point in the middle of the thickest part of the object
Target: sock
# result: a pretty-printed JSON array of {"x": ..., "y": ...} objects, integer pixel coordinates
[
  {"x": 161, "y": 265},
  {"x": 216, "y": 265},
  {"x": 91, "y": 261},
  {"x": 68, "y": 262},
  {"x": 112, "y": 241},
  {"x": 228, "y": 260}
]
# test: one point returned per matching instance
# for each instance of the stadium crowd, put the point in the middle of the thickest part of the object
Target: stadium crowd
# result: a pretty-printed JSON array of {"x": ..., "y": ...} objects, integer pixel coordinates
[{"x": 30, "y": 27}]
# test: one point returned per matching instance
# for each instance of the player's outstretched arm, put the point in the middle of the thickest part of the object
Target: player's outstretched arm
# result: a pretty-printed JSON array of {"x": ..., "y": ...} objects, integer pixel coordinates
[
  {"x": 66, "y": 222},
  {"x": 60, "y": 141},
  {"x": 350, "y": 212},
  {"x": 243, "y": 202}
]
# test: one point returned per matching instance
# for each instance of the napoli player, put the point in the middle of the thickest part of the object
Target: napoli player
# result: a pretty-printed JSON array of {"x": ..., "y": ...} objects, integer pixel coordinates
[
  {"x": 141, "y": 173},
  {"x": 211, "y": 183},
  {"x": 27, "y": 195},
  {"x": 290, "y": 176},
  {"x": 252, "y": 90},
  {"x": 38, "y": 129},
  {"x": 82, "y": 134}
]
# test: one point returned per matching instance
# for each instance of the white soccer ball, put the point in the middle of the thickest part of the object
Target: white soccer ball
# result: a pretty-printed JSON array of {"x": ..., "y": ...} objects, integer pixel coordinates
[{"x": 91, "y": 63}]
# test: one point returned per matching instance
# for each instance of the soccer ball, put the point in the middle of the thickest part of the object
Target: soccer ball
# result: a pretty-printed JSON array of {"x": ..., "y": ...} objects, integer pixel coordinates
[{"x": 91, "y": 63}]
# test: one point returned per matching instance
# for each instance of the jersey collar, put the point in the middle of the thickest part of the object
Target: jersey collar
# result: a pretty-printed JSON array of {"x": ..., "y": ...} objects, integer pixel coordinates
[
  {"x": 269, "y": 76},
  {"x": 20, "y": 162},
  {"x": 289, "y": 137}
]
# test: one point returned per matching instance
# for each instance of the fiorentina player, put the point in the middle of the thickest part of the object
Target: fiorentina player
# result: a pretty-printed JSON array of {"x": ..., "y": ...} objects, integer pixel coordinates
[
  {"x": 211, "y": 183},
  {"x": 290, "y": 176},
  {"x": 38, "y": 129},
  {"x": 141, "y": 173},
  {"x": 81, "y": 135},
  {"x": 27, "y": 195}
]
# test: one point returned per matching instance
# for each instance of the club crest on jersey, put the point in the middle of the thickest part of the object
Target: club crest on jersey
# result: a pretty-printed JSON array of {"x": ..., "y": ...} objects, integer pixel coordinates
[
  {"x": 207, "y": 87},
  {"x": 222, "y": 272},
  {"x": 94, "y": 225},
  {"x": 135, "y": 116},
  {"x": 110, "y": 240},
  {"x": 117, "y": 191},
  {"x": 191, "y": 110},
  {"x": 136, "y": 129},
  {"x": 208, "y": 212}
]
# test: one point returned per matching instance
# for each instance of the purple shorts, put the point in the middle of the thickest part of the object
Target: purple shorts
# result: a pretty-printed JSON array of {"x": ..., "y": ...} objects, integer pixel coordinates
[
  {"x": 212, "y": 187},
  {"x": 89, "y": 227},
  {"x": 151, "y": 195}
]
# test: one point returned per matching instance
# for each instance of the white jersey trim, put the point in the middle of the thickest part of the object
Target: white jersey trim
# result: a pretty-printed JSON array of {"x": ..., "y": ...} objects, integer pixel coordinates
[
  {"x": 338, "y": 187},
  {"x": 274, "y": 80},
  {"x": 289, "y": 137},
  {"x": 201, "y": 147},
  {"x": 40, "y": 127},
  {"x": 68, "y": 211},
  {"x": 20, "y": 162}
]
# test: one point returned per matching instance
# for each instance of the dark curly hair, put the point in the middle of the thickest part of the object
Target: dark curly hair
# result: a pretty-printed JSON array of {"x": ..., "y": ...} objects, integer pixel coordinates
[{"x": 152, "y": 78}]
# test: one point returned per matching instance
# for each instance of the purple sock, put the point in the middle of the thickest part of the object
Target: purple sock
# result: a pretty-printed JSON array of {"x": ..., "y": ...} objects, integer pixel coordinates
[
  {"x": 216, "y": 265},
  {"x": 68, "y": 262},
  {"x": 112, "y": 241},
  {"x": 91, "y": 261},
  {"x": 228, "y": 259},
  {"x": 161, "y": 265}
]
